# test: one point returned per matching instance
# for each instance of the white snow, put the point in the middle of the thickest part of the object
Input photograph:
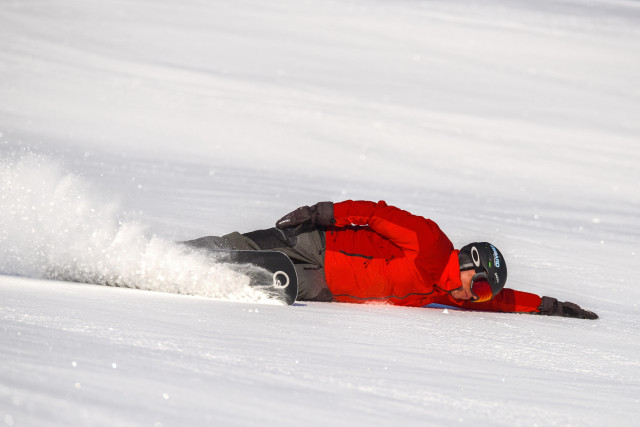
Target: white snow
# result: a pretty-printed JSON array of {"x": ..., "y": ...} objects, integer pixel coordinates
[{"x": 126, "y": 126}]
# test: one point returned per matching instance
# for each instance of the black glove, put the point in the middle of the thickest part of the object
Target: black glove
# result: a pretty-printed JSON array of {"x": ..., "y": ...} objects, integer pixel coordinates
[
  {"x": 307, "y": 218},
  {"x": 553, "y": 307}
]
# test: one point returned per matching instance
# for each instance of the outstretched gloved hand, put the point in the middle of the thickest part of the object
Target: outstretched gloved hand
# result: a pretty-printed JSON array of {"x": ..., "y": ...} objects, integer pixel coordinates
[
  {"x": 553, "y": 307},
  {"x": 307, "y": 218}
]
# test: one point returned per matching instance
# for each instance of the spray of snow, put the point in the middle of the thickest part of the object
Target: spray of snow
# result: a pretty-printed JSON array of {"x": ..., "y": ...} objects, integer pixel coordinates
[{"x": 55, "y": 225}]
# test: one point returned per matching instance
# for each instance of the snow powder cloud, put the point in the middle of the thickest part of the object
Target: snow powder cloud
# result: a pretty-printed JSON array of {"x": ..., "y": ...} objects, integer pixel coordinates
[{"x": 56, "y": 225}]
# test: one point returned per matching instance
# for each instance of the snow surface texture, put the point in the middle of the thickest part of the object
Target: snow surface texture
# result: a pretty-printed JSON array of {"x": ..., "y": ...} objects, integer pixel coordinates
[{"x": 126, "y": 126}]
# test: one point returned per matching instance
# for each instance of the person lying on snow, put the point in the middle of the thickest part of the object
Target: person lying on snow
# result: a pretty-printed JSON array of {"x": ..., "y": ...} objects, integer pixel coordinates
[{"x": 363, "y": 252}]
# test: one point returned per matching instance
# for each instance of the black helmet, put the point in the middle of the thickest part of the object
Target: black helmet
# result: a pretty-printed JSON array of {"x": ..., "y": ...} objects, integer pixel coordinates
[{"x": 488, "y": 263}]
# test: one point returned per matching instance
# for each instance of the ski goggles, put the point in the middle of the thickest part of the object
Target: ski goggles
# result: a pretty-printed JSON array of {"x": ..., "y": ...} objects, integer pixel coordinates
[
  {"x": 490, "y": 269},
  {"x": 481, "y": 288}
]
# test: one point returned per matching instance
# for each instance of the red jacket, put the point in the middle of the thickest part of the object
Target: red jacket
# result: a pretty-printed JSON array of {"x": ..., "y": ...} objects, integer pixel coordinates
[{"x": 379, "y": 253}]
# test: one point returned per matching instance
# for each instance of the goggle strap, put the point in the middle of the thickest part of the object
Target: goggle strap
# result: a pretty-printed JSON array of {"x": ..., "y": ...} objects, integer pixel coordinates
[
  {"x": 465, "y": 267},
  {"x": 482, "y": 274}
]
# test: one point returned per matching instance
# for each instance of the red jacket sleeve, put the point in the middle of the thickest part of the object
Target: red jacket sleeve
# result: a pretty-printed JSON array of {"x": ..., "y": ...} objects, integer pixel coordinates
[
  {"x": 508, "y": 301},
  {"x": 407, "y": 231}
]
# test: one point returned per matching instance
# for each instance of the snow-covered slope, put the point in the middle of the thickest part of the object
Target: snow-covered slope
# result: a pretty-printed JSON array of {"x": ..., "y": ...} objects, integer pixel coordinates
[
  {"x": 128, "y": 125},
  {"x": 83, "y": 355}
]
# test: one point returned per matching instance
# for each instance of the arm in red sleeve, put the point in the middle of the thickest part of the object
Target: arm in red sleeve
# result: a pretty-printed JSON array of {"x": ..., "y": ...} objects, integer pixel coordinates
[
  {"x": 355, "y": 212},
  {"x": 407, "y": 231},
  {"x": 508, "y": 301}
]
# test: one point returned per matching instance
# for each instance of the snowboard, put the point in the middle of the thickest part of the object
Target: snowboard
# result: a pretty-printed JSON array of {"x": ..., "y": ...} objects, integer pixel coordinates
[{"x": 276, "y": 275}]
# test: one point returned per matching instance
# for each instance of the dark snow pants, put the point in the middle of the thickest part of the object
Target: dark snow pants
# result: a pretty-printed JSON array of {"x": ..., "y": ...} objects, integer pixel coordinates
[{"x": 306, "y": 250}]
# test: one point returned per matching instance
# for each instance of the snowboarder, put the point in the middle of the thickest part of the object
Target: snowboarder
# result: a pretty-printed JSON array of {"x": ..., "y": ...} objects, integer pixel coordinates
[{"x": 366, "y": 252}]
